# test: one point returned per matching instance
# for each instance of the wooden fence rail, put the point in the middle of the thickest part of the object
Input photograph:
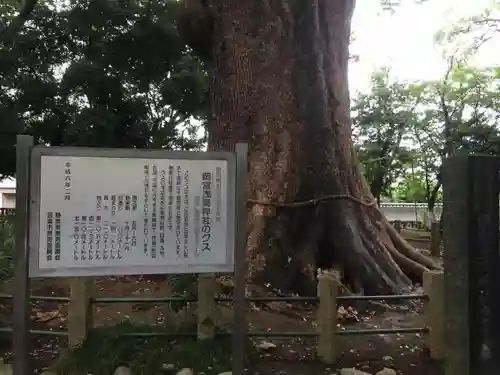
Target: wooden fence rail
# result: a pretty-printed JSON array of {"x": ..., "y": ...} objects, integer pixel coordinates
[{"x": 80, "y": 311}]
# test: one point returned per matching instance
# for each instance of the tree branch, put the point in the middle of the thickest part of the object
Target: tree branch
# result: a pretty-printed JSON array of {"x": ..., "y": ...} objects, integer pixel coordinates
[
  {"x": 433, "y": 196},
  {"x": 448, "y": 122}
]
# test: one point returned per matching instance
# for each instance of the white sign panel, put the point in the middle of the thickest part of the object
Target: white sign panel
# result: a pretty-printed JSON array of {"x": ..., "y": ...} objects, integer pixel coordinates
[{"x": 110, "y": 215}]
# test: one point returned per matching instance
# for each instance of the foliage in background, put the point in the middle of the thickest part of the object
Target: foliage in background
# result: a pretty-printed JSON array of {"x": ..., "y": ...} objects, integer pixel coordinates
[
  {"x": 412, "y": 188},
  {"x": 117, "y": 74},
  {"x": 459, "y": 115},
  {"x": 380, "y": 121},
  {"x": 101, "y": 73},
  {"x": 403, "y": 131},
  {"x": 466, "y": 36},
  {"x": 456, "y": 114}
]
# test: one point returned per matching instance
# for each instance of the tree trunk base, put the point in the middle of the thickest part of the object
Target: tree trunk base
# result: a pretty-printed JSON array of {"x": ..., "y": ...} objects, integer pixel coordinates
[
  {"x": 343, "y": 234},
  {"x": 280, "y": 83}
]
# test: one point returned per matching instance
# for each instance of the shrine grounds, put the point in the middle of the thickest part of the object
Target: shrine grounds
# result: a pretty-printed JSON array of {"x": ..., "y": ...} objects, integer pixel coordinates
[{"x": 404, "y": 353}]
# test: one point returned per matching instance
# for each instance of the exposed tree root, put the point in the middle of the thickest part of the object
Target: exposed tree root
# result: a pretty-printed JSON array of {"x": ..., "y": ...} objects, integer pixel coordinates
[
  {"x": 381, "y": 249},
  {"x": 410, "y": 267},
  {"x": 395, "y": 264},
  {"x": 405, "y": 248},
  {"x": 373, "y": 257}
]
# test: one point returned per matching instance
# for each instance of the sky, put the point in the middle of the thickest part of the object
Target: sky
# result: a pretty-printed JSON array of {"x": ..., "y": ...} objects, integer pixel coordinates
[{"x": 404, "y": 40}]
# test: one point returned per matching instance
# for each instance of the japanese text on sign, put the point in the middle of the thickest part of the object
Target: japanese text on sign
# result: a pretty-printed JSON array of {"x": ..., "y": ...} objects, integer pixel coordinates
[{"x": 142, "y": 212}]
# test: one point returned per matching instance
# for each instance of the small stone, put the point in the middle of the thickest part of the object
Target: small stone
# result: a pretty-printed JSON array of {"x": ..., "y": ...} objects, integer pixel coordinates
[
  {"x": 387, "y": 358},
  {"x": 186, "y": 371},
  {"x": 265, "y": 345},
  {"x": 122, "y": 370},
  {"x": 352, "y": 371},
  {"x": 386, "y": 371},
  {"x": 168, "y": 367},
  {"x": 226, "y": 373}
]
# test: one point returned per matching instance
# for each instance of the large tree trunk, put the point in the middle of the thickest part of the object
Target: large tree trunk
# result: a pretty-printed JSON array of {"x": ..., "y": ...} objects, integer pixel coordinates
[{"x": 280, "y": 83}]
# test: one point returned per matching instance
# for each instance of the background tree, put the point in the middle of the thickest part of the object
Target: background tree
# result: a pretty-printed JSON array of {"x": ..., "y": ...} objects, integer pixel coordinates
[
  {"x": 431, "y": 120},
  {"x": 101, "y": 73},
  {"x": 14, "y": 14},
  {"x": 412, "y": 188},
  {"x": 381, "y": 119},
  {"x": 467, "y": 35},
  {"x": 457, "y": 114}
]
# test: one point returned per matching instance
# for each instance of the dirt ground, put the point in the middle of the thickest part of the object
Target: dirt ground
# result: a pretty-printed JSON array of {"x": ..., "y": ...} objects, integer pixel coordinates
[
  {"x": 370, "y": 353},
  {"x": 295, "y": 356}
]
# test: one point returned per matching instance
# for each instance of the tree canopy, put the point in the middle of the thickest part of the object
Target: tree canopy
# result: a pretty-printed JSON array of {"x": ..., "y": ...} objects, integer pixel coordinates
[
  {"x": 404, "y": 128},
  {"x": 98, "y": 73},
  {"x": 468, "y": 34}
]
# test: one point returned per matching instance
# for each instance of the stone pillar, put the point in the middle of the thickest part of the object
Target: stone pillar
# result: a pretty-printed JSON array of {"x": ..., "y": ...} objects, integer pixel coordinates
[
  {"x": 79, "y": 310},
  {"x": 472, "y": 264},
  {"x": 206, "y": 307},
  {"x": 328, "y": 285}
]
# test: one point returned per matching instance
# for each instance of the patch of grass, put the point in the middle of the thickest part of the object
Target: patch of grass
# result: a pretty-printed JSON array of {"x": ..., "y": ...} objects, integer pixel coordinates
[{"x": 108, "y": 348}]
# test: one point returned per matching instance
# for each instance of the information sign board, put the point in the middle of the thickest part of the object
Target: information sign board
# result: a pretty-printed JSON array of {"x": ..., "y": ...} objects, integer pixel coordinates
[{"x": 101, "y": 212}]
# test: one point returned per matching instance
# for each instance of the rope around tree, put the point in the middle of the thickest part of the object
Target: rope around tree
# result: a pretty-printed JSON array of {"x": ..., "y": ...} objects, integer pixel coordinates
[{"x": 314, "y": 201}]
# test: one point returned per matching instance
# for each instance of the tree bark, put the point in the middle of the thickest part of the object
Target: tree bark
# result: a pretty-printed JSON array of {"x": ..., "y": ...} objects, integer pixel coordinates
[
  {"x": 434, "y": 195},
  {"x": 280, "y": 84},
  {"x": 377, "y": 183}
]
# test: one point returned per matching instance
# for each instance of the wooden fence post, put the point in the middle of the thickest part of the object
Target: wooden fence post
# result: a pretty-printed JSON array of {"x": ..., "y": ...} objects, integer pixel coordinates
[
  {"x": 5, "y": 369},
  {"x": 79, "y": 310},
  {"x": 435, "y": 239},
  {"x": 206, "y": 307},
  {"x": 328, "y": 285},
  {"x": 434, "y": 314}
]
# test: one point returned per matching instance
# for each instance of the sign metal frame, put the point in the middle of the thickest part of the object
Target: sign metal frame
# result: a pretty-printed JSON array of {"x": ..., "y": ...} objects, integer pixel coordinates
[
  {"x": 27, "y": 235},
  {"x": 39, "y": 152}
]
